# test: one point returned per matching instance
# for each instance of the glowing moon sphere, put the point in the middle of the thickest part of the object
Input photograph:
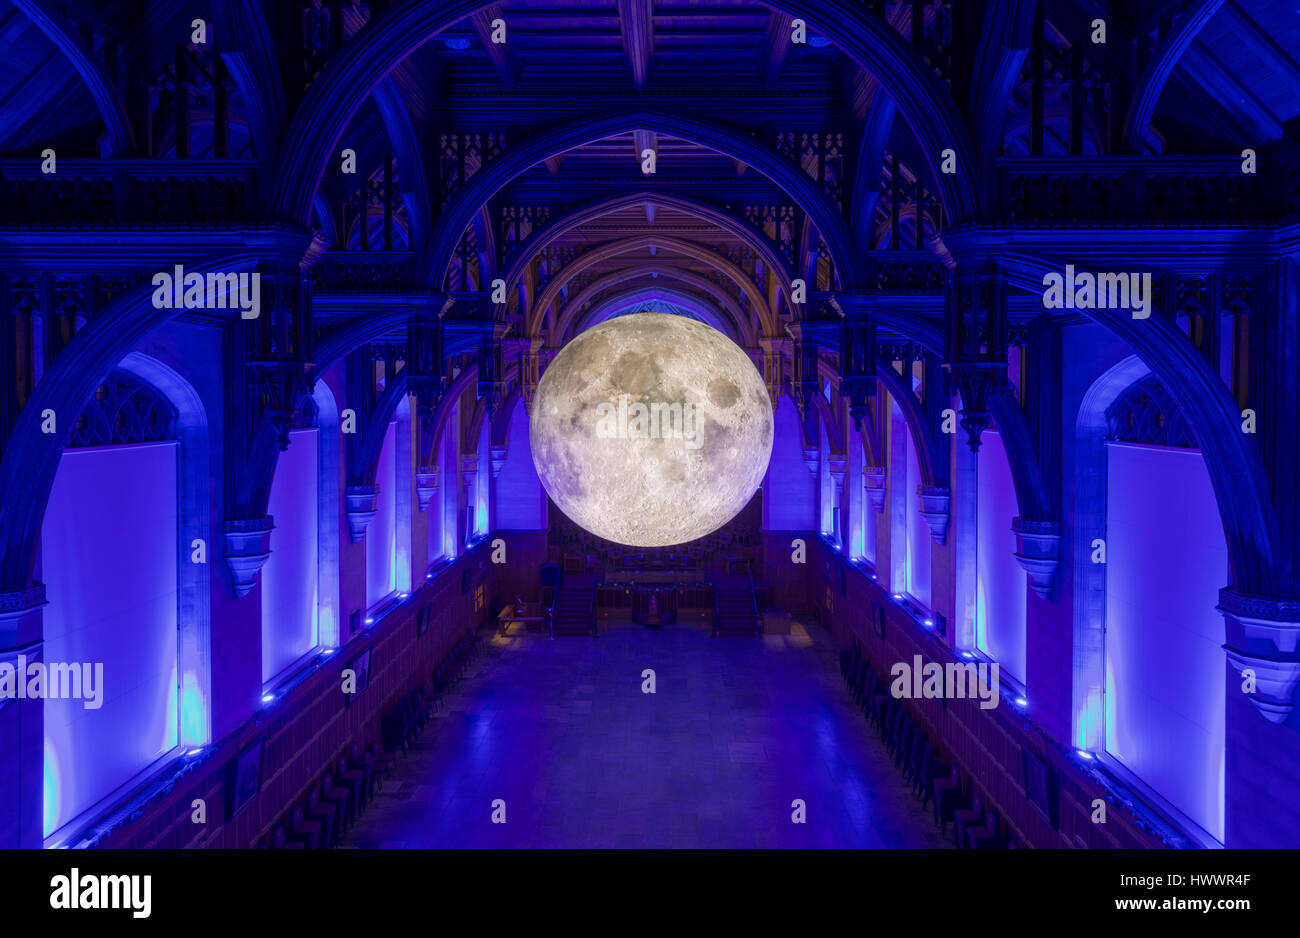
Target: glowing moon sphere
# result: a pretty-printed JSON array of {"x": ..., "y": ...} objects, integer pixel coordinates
[{"x": 651, "y": 429}]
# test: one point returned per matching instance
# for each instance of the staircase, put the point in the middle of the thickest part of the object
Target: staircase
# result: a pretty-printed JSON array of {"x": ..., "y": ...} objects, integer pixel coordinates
[
  {"x": 734, "y": 612},
  {"x": 575, "y": 606}
]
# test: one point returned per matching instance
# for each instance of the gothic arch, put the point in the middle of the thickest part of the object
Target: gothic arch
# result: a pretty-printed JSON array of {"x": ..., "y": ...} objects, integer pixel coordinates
[
  {"x": 429, "y": 449},
  {"x": 195, "y": 522},
  {"x": 929, "y": 455},
  {"x": 1031, "y": 492},
  {"x": 29, "y": 463},
  {"x": 604, "y": 252},
  {"x": 571, "y": 317},
  {"x": 101, "y": 86},
  {"x": 378, "y": 47},
  {"x": 499, "y": 172},
  {"x": 557, "y": 227},
  {"x": 1250, "y": 520}
]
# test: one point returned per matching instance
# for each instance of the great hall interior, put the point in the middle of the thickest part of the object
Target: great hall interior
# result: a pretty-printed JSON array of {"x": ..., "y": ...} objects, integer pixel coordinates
[{"x": 278, "y": 566}]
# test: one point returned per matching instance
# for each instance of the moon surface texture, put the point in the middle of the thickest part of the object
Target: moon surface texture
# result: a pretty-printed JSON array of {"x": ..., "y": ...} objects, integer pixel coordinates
[{"x": 651, "y": 429}]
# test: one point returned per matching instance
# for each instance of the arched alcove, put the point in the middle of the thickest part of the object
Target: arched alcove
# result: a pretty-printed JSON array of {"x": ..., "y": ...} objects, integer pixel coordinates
[
  {"x": 124, "y": 559},
  {"x": 1151, "y": 556}
]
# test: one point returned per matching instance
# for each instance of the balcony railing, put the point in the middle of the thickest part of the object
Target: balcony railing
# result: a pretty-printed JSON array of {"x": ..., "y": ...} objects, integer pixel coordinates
[
  {"x": 128, "y": 192},
  {"x": 1088, "y": 190}
]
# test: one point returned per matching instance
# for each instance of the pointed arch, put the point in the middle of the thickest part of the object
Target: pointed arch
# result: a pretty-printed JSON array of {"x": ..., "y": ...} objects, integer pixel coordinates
[
  {"x": 384, "y": 42},
  {"x": 604, "y": 252},
  {"x": 584, "y": 214}
]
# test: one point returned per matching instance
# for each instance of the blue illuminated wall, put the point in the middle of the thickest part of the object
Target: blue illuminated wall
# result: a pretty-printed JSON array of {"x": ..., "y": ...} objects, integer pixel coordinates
[
  {"x": 519, "y": 499},
  {"x": 1165, "y": 562},
  {"x": 1000, "y": 589},
  {"x": 789, "y": 489},
  {"x": 290, "y": 625},
  {"x": 109, "y": 556},
  {"x": 381, "y": 534}
]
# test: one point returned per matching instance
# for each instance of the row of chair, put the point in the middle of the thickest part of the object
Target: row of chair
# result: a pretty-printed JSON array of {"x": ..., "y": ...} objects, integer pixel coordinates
[
  {"x": 402, "y": 725},
  {"x": 333, "y": 803},
  {"x": 342, "y": 794},
  {"x": 976, "y": 825}
]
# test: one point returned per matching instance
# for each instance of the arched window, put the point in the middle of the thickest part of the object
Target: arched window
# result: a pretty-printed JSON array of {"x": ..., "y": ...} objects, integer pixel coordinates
[
  {"x": 122, "y": 629},
  {"x": 1165, "y": 561}
]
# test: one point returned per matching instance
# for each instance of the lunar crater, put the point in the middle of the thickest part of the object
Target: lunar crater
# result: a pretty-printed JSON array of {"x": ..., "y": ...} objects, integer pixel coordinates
[{"x": 651, "y": 479}]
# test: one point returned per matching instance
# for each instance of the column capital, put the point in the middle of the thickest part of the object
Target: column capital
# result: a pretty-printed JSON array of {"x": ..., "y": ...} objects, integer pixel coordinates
[
  {"x": 936, "y": 502},
  {"x": 1263, "y": 636},
  {"x": 247, "y": 549},
  {"x": 426, "y": 484},
  {"x": 362, "y": 504},
  {"x": 1038, "y": 551},
  {"x": 20, "y": 615}
]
